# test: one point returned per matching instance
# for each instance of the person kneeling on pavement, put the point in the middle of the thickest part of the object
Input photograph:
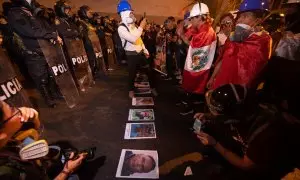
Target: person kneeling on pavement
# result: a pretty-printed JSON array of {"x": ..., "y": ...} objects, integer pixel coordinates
[
  {"x": 23, "y": 155},
  {"x": 261, "y": 141}
]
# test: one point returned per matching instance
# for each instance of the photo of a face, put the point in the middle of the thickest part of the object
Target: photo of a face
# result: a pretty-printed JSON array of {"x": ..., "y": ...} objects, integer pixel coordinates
[
  {"x": 140, "y": 131},
  {"x": 141, "y": 115},
  {"x": 138, "y": 164}
]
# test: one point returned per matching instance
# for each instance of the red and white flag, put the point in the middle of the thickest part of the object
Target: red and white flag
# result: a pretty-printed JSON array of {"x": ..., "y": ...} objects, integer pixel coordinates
[{"x": 199, "y": 59}]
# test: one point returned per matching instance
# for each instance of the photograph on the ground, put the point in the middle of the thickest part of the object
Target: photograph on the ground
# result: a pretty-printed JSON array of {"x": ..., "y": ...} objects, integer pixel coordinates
[
  {"x": 141, "y": 164},
  {"x": 140, "y": 131},
  {"x": 141, "y": 91},
  {"x": 142, "y": 84},
  {"x": 141, "y": 78},
  {"x": 142, "y": 101},
  {"x": 141, "y": 115}
]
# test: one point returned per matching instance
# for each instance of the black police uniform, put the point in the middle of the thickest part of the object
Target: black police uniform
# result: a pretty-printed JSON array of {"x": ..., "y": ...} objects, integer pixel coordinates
[
  {"x": 30, "y": 28},
  {"x": 84, "y": 26}
]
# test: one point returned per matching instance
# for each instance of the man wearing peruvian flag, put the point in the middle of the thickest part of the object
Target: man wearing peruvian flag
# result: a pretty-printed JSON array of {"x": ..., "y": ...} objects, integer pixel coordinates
[
  {"x": 247, "y": 51},
  {"x": 201, "y": 52}
]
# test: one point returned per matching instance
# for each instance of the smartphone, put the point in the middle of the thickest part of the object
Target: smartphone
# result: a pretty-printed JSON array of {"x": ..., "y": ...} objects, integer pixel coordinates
[
  {"x": 197, "y": 126},
  {"x": 144, "y": 15}
]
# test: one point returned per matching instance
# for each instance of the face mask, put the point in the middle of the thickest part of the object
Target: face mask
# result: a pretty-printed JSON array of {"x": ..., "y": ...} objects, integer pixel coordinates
[
  {"x": 241, "y": 32},
  {"x": 130, "y": 20},
  {"x": 244, "y": 26}
]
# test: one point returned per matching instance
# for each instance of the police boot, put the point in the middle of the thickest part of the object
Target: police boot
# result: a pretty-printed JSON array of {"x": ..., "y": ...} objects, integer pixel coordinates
[
  {"x": 54, "y": 90},
  {"x": 45, "y": 93}
]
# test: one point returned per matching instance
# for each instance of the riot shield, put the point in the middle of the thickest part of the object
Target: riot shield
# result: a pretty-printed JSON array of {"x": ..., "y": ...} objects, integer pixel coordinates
[
  {"x": 79, "y": 63},
  {"x": 112, "y": 63},
  {"x": 11, "y": 90},
  {"x": 98, "y": 51},
  {"x": 57, "y": 63}
]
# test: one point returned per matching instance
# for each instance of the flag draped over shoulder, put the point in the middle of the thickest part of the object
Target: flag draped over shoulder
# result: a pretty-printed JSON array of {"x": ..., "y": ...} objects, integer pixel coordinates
[
  {"x": 199, "y": 59},
  {"x": 242, "y": 62}
]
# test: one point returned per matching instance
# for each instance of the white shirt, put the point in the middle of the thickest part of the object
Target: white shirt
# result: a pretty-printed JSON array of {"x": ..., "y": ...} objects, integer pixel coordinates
[{"x": 131, "y": 38}]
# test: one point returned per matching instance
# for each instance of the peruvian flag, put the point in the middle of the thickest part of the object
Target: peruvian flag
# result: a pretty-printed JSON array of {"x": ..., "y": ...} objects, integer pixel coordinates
[
  {"x": 243, "y": 62},
  {"x": 199, "y": 59}
]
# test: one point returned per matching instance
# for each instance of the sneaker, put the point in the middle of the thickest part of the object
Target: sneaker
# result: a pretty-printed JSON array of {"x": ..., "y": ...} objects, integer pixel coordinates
[
  {"x": 187, "y": 112},
  {"x": 131, "y": 94},
  {"x": 154, "y": 92}
]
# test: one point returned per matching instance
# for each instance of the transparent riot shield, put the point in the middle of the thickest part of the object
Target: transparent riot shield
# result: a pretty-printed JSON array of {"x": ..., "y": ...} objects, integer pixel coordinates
[
  {"x": 112, "y": 59},
  {"x": 56, "y": 60},
  {"x": 79, "y": 63},
  {"x": 11, "y": 90},
  {"x": 98, "y": 51}
]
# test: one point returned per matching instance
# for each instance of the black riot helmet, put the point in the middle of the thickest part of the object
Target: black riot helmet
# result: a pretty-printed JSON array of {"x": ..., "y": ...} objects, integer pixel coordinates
[
  {"x": 31, "y": 4},
  {"x": 227, "y": 99},
  {"x": 60, "y": 7},
  {"x": 83, "y": 12}
]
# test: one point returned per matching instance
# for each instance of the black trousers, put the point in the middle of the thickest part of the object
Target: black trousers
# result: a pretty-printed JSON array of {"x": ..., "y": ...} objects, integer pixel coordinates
[
  {"x": 170, "y": 65},
  {"x": 138, "y": 62}
]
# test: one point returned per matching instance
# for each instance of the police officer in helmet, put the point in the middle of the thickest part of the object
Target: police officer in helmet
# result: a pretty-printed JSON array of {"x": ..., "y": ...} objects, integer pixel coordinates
[
  {"x": 66, "y": 28},
  {"x": 24, "y": 22}
]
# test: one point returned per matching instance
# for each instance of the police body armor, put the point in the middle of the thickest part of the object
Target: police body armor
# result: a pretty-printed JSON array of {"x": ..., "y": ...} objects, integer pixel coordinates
[
  {"x": 78, "y": 61},
  {"x": 58, "y": 65}
]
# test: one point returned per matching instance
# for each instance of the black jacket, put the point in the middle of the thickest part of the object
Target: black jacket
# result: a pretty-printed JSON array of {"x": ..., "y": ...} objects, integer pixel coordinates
[
  {"x": 66, "y": 28},
  {"x": 29, "y": 27}
]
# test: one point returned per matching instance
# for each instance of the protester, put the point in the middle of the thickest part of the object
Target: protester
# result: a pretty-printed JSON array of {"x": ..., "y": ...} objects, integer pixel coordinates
[
  {"x": 135, "y": 49},
  {"x": 247, "y": 52},
  {"x": 171, "y": 38},
  {"x": 200, "y": 54},
  {"x": 30, "y": 28},
  {"x": 226, "y": 26},
  {"x": 283, "y": 70},
  {"x": 13, "y": 121},
  {"x": 248, "y": 137}
]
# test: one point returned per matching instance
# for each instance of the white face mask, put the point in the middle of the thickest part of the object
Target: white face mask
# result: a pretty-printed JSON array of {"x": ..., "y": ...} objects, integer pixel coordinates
[
  {"x": 29, "y": 1},
  {"x": 130, "y": 20},
  {"x": 245, "y": 26}
]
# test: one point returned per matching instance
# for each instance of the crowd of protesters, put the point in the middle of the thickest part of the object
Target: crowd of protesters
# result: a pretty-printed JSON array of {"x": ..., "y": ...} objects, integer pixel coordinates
[{"x": 247, "y": 71}]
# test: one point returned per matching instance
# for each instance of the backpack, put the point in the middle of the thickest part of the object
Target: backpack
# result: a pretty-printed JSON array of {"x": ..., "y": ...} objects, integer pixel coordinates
[{"x": 119, "y": 38}]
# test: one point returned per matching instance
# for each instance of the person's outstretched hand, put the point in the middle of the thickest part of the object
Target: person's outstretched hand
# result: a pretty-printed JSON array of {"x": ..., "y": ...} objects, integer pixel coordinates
[
  {"x": 29, "y": 113},
  {"x": 73, "y": 165},
  {"x": 206, "y": 139},
  {"x": 143, "y": 23}
]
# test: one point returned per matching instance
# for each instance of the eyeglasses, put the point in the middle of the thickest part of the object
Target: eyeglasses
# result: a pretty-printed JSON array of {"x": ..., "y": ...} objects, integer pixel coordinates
[{"x": 16, "y": 112}]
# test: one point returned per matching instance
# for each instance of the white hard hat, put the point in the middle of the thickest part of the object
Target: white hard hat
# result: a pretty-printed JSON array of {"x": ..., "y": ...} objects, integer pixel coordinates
[
  {"x": 292, "y": 1},
  {"x": 199, "y": 9}
]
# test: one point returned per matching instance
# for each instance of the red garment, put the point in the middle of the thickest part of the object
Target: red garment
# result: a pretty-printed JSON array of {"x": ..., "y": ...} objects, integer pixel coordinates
[
  {"x": 243, "y": 62},
  {"x": 199, "y": 59}
]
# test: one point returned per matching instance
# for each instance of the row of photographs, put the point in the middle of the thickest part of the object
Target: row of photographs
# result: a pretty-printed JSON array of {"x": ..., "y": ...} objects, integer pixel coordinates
[{"x": 141, "y": 164}]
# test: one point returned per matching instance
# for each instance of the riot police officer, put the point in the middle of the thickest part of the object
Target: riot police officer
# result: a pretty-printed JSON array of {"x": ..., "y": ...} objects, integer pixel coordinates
[
  {"x": 90, "y": 39},
  {"x": 65, "y": 27},
  {"x": 30, "y": 28}
]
